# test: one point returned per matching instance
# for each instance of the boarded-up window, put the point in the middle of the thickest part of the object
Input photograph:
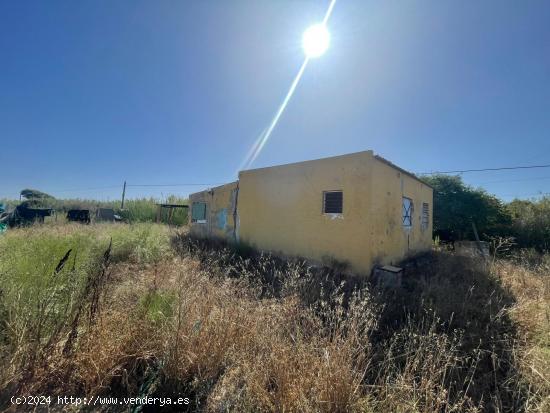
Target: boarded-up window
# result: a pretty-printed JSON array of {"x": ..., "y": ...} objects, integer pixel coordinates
[
  {"x": 425, "y": 215},
  {"x": 198, "y": 212},
  {"x": 407, "y": 212},
  {"x": 333, "y": 202}
]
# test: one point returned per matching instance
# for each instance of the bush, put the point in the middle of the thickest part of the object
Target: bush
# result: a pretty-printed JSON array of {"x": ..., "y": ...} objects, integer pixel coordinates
[
  {"x": 531, "y": 223},
  {"x": 457, "y": 205},
  {"x": 139, "y": 243}
]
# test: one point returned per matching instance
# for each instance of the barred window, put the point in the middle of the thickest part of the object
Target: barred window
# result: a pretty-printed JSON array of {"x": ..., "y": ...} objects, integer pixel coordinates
[
  {"x": 425, "y": 215},
  {"x": 333, "y": 202},
  {"x": 407, "y": 212}
]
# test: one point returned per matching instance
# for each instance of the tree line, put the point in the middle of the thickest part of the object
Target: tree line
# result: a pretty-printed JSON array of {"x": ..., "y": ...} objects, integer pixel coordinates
[{"x": 457, "y": 205}]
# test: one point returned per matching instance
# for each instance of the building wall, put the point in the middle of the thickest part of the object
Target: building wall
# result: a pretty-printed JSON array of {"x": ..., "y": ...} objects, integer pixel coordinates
[
  {"x": 390, "y": 240},
  {"x": 280, "y": 209},
  {"x": 220, "y": 212}
]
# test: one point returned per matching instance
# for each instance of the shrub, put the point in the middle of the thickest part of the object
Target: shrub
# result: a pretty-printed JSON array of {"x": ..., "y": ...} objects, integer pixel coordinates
[{"x": 531, "y": 223}]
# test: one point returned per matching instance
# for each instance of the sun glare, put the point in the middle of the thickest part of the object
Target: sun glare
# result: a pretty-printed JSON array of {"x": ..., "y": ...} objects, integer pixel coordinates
[{"x": 316, "y": 40}]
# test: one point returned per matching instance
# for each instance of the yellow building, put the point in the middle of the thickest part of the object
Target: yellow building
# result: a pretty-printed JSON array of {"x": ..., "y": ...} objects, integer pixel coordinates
[{"x": 358, "y": 208}]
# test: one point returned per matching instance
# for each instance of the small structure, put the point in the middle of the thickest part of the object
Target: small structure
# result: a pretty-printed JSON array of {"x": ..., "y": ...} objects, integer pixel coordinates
[
  {"x": 31, "y": 210},
  {"x": 388, "y": 276},
  {"x": 24, "y": 215},
  {"x": 214, "y": 212},
  {"x": 170, "y": 208},
  {"x": 79, "y": 215},
  {"x": 359, "y": 209}
]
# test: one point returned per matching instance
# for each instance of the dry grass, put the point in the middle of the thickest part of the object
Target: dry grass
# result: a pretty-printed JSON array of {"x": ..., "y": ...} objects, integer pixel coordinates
[
  {"x": 531, "y": 314},
  {"x": 221, "y": 344},
  {"x": 255, "y": 333}
]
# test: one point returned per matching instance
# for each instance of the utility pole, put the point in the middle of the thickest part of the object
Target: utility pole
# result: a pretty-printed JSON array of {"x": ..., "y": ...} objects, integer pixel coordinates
[
  {"x": 478, "y": 241},
  {"x": 123, "y": 195}
]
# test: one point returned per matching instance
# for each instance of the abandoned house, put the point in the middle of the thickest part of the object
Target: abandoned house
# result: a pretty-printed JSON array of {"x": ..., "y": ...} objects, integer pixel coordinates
[{"x": 359, "y": 209}]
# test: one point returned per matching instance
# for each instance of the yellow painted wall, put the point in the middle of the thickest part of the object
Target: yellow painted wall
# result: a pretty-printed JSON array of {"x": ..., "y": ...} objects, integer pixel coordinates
[
  {"x": 220, "y": 209},
  {"x": 390, "y": 240},
  {"x": 280, "y": 210}
]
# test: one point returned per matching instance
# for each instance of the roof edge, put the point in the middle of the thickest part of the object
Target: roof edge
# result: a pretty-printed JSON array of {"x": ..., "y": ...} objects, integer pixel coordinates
[
  {"x": 215, "y": 188},
  {"x": 404, "y": 171},
  {"x": 368, "y": 151}
]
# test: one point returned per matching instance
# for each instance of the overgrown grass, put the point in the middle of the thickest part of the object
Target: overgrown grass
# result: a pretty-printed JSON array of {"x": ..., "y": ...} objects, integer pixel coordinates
[
  {"x": 450, "y": 339},
  {"x": 252, "y": 332},
  {"x": 46, "y": 272},
  {"x": 135, "y": 210},
  {"x": 145, "y": 210}
]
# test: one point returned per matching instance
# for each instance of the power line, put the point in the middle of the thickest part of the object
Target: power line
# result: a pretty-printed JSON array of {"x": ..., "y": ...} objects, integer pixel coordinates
[
  {"x": 87, "y": 189},
  {"x": 505, "y": 168},
  {"x": 193, "y": 184},
  {"x": 97, "y": 188},
  {"x": 543, "y": 194},
  {"x": 134, "y": 185},
  {"x": 538, "y": 178}
]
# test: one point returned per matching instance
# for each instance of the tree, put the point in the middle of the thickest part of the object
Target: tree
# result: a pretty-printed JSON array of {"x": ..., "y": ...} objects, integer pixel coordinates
[
  {"x": 36, "y": 199},
  {"x": 457, "y": 205},
  {"x": 35, "y": 194},
  {"x": 531, "y": 222}
]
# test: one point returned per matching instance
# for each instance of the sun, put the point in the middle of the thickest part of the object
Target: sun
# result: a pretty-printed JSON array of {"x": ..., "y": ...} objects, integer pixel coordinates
[{"x": 316, "y": 40}]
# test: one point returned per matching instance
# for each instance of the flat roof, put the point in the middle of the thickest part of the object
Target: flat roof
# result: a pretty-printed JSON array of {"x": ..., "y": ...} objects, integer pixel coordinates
[
  {"x": 370, "y": 152},
  {"x": 214, "y": 188},
  {"x": 384, "y": 160},
  {"x": 308, "y": 160}
]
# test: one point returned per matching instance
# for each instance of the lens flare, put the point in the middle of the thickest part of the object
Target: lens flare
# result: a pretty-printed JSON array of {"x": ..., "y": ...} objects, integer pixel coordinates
[{"x": 316, "y": 40}]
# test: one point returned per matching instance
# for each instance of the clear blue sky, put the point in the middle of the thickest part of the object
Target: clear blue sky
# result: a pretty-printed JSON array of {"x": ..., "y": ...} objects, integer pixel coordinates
[{"x": 93, "y": 93}]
